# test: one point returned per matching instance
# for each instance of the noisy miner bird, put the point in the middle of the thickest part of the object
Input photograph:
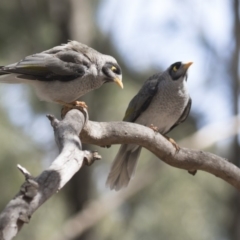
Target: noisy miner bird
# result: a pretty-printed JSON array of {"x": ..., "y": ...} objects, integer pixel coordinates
[
  {"x": 161, "y": 104},
  {"x": 64, "y": 73}
]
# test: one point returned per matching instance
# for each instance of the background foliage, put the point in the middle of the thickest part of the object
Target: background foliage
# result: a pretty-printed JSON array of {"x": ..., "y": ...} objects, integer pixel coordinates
[{"x": 145, "y": 37}]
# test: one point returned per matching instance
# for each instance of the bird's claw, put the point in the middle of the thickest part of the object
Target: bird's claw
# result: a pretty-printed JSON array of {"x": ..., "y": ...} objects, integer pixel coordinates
[
  {"x": 173, "y": 143},
  {"x": 73, "y": 105},
  {"x": 78, "y": 104},
  {"x": 154, "y": 128}
]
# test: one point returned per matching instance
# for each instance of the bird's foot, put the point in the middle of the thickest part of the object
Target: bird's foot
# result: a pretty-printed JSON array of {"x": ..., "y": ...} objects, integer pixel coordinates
[
  {"x": 73, "y": 105},
  {"x": 154, "y": 128},
  {"x": 79, "y": 105},
  {"x": 173, "y": 143}
]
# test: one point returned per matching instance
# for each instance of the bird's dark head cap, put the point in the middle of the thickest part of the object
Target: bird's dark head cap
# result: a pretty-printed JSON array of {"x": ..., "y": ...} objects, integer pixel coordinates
[
  {"x": 112, "y": 73},
  {"x": 179, "y": 70}
]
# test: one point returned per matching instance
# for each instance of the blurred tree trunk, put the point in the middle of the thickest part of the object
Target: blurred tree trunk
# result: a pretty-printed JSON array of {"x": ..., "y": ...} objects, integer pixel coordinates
[
  {"x": 82, "y": 21},
  {"x": 61, "y": 14},
  {"x": 235, "y": 202}
]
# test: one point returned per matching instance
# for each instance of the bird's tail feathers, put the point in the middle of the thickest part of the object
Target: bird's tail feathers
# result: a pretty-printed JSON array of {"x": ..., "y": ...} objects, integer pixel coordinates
[{"x": 123, "y": 166}]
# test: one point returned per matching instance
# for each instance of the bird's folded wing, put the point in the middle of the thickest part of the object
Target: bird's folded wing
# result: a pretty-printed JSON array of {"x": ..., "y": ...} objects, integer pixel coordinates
[
  {"x": 184, "y": 115},
  {"x": 64, "y": 65},
  {"x": 142, "y": 100}
]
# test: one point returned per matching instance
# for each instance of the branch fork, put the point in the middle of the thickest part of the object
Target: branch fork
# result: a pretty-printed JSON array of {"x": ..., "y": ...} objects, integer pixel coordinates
[{"x": 36, "y": 190}]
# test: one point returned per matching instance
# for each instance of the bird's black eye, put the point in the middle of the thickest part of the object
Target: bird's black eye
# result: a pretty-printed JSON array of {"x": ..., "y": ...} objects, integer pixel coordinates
[{"x": 176, "y": 66}]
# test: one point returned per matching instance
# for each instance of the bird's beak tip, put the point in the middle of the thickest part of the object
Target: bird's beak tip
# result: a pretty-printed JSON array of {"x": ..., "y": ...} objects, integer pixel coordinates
[
  {"x": 118, "y": 82},
  {"x": 187, "y": 65}
]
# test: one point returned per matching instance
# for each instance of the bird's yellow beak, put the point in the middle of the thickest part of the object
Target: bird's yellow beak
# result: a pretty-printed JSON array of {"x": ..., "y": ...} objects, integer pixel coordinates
[
  {"x": 118, "y": 82},
  {"x": 187, "y": 65}
]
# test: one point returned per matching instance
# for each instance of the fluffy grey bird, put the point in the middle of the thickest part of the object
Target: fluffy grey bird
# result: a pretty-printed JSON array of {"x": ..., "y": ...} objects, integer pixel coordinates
[
  {"x": 162, "y": 103},
  {"x": 64, "y": 73}
]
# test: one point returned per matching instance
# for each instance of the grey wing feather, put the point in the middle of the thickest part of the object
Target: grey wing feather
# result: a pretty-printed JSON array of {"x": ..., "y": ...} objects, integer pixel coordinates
[
  {"x": 143, "y": 98},
  {"x": 184, "y": 114},
  {"x": 78, "y": 47},
  {"x": 63, "y": 65}
]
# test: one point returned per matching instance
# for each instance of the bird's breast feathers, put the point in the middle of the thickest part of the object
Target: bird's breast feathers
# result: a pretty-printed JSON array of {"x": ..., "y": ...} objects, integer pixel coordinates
[
  {"x": 65, "y": 91},
  {"x": 165, "y": 109}
]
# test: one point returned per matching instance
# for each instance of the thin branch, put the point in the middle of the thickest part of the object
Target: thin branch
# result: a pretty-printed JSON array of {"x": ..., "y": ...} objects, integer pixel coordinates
[{"x": 35, "y": 191}]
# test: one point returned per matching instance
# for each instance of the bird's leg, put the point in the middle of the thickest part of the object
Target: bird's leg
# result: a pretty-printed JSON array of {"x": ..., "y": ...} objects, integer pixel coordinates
[
  {"x": 72, "y": 105},
  {"x": 154, "y": 128},
  {"x": 173, "y": 143}
]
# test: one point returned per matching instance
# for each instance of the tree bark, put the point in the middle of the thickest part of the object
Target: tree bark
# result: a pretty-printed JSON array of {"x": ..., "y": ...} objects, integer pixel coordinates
[
  {"x": 234, "y": 63},
  {"x": 35, "y": 191}
]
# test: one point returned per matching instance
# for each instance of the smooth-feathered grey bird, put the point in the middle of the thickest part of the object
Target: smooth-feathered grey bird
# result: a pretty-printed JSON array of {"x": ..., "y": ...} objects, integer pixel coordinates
[
  {"x": 64, "y": 73},
  {"x": 162, "y": 103}
]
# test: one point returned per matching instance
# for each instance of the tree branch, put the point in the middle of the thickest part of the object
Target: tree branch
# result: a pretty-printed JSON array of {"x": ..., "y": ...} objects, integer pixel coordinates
[
  {"x": 211, "y": 134},
  {"x": 35, "y": 191},
  {"x": 123, "y": 132}
]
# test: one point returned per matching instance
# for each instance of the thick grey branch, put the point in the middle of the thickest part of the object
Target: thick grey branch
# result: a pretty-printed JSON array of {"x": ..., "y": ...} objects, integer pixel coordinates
[
  {"x": 35, "y": 191},
  {"x": 123, "y": 132}
]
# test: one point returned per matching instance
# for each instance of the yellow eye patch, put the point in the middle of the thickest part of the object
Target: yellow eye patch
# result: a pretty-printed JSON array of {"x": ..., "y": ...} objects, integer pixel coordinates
[
  {"x": 113, "y": 68},
  {"x": 174, "y": 68}
]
